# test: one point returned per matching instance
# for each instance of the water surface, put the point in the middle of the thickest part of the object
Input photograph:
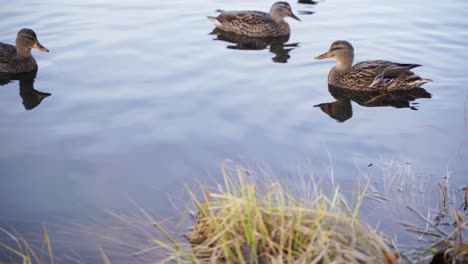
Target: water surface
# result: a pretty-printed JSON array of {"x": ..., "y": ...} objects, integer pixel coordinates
[{"x": 143, "y": 100}]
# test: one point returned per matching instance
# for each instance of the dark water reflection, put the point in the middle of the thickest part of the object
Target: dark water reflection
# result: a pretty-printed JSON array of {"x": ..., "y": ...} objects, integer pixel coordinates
[
  {"x": 308, "y": 2},
  {"x": 276, "y": 45},
  {"x": 30, "y": 96},
  {"x": 342, "y": 110}
]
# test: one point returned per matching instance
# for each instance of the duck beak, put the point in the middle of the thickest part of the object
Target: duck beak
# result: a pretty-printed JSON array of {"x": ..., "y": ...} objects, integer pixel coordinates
[
  {"x": 326, "y": 55},
  {"x": 40, "y": 47},
  {"x": 294, "y": 16},
  {"x": 40, "y": 95}
]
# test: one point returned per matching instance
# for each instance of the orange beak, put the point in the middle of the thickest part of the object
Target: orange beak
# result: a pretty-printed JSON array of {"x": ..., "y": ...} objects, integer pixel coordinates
[
  {"x": 326, "y": 55},
  {"x": 40, "y": 47}
]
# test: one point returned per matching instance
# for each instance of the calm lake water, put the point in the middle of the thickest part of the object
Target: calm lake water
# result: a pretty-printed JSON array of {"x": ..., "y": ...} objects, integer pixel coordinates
[{"x": 144, "y": 100}]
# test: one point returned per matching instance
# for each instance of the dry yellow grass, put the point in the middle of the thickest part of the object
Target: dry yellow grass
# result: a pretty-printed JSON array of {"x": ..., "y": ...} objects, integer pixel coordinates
[
  {"x": 254, "y": 219},
  {"x": 22, "y": 252},
  {"x": 243, "y": 222}
]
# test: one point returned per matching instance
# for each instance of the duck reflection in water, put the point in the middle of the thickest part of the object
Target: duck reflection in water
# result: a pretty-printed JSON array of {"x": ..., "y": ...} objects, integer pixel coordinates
[
  {"x": 276, "y": 45},
  {"x": 31, "y": 97},
  {"x": 342, "y": 110},
  {"x": 307, "y": 2}
]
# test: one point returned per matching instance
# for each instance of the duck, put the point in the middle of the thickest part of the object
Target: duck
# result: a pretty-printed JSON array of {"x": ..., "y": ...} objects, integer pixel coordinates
[
  {"x": 19, "y": 59},
  {"x": 371, "y": 75},
  {"x": 256, "y": 23}
]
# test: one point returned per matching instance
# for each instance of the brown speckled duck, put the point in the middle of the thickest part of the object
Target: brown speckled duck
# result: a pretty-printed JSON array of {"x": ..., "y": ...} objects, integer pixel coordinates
[
  {"x": 256, "y": 23},
  {"x": 19, "y": 59},
  {"x": 369, "y": 75}
]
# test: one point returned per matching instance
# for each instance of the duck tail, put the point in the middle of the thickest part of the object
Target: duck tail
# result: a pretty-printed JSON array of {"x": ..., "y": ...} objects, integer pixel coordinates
[
  {"x": 424, "y": 81},
  {"x": 418, "y": 83},
  {"x": 214, "y": 20},
  {"x": 409, "y": 65},
  {"x": 413, "y": 80}
]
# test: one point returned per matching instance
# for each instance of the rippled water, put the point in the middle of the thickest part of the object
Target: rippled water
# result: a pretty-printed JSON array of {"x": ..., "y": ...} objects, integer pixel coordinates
[{"x": 143, "y": 100}]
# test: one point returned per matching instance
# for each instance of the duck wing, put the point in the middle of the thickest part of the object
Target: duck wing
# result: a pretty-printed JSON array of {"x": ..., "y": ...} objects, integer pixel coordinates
[
  {"x": 379, "y": 74},
  {"x": 249, "y": 17},
  {"x": 7, "y": 53},
  {"x": 245, "y": 22}
]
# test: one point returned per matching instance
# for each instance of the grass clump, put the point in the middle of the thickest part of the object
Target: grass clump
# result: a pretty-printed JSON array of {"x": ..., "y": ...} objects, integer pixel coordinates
[{"x": 244, "y": 222}]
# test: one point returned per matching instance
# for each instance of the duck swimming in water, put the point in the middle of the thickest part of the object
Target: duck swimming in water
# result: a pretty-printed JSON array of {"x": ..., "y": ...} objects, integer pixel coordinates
[
  {"x": 256, "y": 23},
  {"x": 19, "y": 59},
  {"x": 369, "y": 75}
]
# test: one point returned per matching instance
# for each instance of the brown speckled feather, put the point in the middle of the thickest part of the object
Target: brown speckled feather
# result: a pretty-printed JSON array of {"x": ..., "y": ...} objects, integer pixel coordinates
[
  {"x": 378, "y": 75},
  {"x": 7, "y": 54},
  {"x": 10, "y": 63}
]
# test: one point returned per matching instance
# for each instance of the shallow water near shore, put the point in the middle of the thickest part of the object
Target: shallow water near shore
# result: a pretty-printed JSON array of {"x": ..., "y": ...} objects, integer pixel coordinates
[{"x": 144, "y": 100}]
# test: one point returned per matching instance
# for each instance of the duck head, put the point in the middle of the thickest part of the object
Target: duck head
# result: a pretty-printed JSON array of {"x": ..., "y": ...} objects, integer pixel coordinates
[
  {"x": 342, "y": 51},
  {"x": 280, "y": 10},
  {"x": 27, "y": 40}
]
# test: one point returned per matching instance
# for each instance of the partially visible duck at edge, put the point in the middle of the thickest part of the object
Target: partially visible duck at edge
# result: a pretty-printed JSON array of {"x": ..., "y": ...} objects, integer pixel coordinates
[
  {"x": 19, "y": 59},
  {"x": 369, "y": 75},
  {"x": 256, "y": 23}
]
